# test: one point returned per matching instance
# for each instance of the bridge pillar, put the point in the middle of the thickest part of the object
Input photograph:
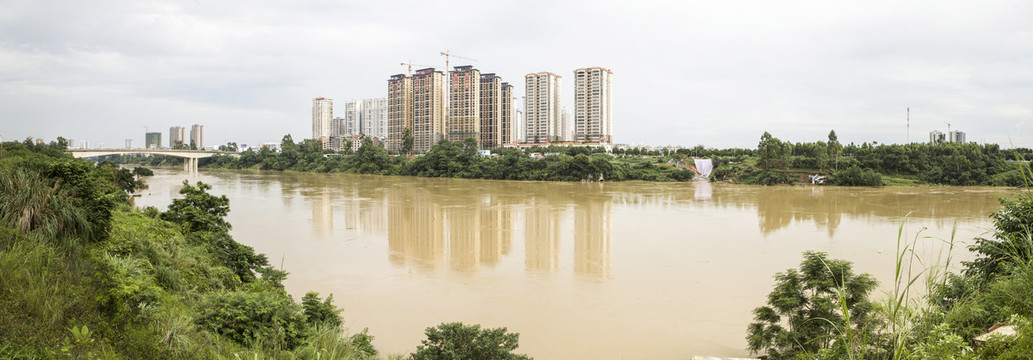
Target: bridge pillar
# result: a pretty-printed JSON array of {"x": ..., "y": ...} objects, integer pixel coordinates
[{"x": 190, "y": 165}]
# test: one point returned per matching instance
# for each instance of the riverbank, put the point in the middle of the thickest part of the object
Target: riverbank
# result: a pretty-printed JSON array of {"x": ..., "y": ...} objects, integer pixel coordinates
[{"x": 774, "y": 162}]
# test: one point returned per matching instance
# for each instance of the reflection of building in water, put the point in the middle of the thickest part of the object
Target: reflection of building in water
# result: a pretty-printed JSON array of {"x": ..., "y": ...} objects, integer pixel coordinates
[
  {"x": 592, "y": 235},
  {"x": 464, "y": 237},
  {"x": 323, "y": 212},
  {"x": 416, "y": 230},
  {"x": 542, "y": 236},
  {"x": 496, "y": 232},
  {"x": 364, "y": 210}
]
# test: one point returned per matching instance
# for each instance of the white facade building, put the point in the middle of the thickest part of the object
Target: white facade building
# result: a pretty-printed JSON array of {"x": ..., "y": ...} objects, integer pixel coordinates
[
  {"x": 956, "y": 136},
  {"x": 593, "y": 114},
  {"x": 322, "y": 115},
  {"x": 542, "y": 107},
  {"x": 936, "y": 137},
  {"x": 374, "y": 117}
]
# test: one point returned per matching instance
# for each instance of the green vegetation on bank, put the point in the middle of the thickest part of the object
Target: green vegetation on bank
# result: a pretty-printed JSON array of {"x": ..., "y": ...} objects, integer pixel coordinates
[
  {"x": 778, "y": 162},
  {"x": 447, "y": 159},
  {"x": 773, "y": 162},
  {"x": 823, "y": 311},
  {"x": 83, "y": 275}
]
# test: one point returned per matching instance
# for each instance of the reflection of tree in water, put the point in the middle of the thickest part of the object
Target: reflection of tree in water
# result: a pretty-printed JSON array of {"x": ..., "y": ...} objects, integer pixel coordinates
[{"x": 779, "y": 206}]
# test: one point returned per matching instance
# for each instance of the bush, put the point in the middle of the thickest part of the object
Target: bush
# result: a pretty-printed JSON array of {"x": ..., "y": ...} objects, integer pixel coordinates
[
  {"x": 805, "y": 310},
  {"x": 855, "y": 176},
  {"x": 254, "y": 318},
  {"x": 459, "y": 342},
  {"x": 321, "y": 312}
]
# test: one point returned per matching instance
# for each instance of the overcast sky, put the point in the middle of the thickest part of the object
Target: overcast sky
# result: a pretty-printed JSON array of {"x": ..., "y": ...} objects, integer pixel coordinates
[{"x": 717, "y": 73}]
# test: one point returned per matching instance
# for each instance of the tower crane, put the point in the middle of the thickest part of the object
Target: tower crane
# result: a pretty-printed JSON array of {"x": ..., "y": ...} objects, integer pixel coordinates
[
  {"x": 410, "y": 64},
  {"x": 448, "y": 55}
]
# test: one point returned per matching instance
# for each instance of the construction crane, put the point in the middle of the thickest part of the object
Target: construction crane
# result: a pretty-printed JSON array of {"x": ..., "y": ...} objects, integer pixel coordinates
[
  {"x": 410, "y": 64},
  {"x": 448, "y": 55}
]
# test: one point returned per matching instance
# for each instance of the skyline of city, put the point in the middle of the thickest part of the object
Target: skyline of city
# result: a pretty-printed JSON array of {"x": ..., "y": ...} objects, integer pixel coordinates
[{"x": 689, "y": 73}]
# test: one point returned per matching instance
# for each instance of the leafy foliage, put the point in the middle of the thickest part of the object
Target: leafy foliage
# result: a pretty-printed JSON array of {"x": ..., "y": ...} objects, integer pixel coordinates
[
  {"x": 321, "y": 312},
  {"x": 251, "y": 318},
  {"x": 467, "y": 342},
  {"x": 812, "y": 307},
  {"x": 855, "y": 176}
]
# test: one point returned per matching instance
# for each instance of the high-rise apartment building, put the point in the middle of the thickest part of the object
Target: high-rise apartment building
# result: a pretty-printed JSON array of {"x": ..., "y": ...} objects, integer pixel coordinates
[
  {"x": 197, "y": 136},
  {"x": 936, "y": 137},
  {"x": 956, "y": 136},
  {"x": 593, "y": 119},
  {"x": 177, "y": 134},
  {"x": 152, "y": 140},
  {"x": 507, "y": 114},
  {"x": 352, "y": 118},
  {"x": 129, "y": 143},
  {"x": 337, "y": 127},
  {"x": 374, "y": 117},
  {"x": 542, "y": 107},
  {"x": 428, "y": 108},
  {"x": 464, "y": 104},
  {"x": 322, "y": 115},
  {"x": 399, "y": 109},
  {"x": 566, "y": 126},
  {"x": 519, "y": 124},
  {"x": 491, "y": 111}
]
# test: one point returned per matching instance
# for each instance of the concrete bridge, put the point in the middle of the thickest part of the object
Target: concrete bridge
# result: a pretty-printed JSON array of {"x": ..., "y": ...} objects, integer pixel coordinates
[{"x": 189, "y": 156}]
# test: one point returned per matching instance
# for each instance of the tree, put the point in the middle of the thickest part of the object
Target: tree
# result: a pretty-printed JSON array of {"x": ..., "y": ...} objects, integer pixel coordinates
[
  {"x": 834, "y": 149},
  {"x": 407, "y": 141},
  {"x": 804, "y": 312},
  {"x": 198, "y": 210},
  {"x": 193, "y": 145},
  {"x": 321, "y": 312},
  {"x": 774, "y": 153},
  {"x": 459, "y": 342}
]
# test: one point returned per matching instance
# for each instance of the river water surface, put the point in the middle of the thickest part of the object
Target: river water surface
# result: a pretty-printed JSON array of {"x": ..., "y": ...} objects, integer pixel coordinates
[{"x": 630, "y": 270}]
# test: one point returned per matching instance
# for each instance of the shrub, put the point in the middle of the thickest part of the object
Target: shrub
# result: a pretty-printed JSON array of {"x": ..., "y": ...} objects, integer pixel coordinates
[
  {"x": 321, "y": 312},
  {"x": 855, "y": 176},
  {"x": 805, "y": 310},
  {"x": 254, "y": 318},
  {"x": 459, "y": 342}
]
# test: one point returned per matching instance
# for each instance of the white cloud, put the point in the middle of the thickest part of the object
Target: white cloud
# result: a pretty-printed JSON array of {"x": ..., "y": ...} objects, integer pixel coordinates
[{"x": 716, "y": 73}]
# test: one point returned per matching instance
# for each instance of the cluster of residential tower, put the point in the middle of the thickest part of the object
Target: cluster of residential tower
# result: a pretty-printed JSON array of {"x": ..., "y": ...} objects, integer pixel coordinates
[{"x": 471, "y": 104}]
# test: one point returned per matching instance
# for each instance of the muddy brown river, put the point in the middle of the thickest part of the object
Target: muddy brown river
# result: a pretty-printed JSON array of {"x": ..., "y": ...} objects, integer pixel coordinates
[{"x": 630, "y": 270}]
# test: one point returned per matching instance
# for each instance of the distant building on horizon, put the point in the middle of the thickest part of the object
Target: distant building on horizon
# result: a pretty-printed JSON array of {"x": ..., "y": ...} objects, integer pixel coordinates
[
  {"x": 566, "y": 126},
  {"x": 374, "y": 117},
  {"x": 197, "y": 136},
  {"x": 508, "y": 117},
  {"x": 399, "y": 109},
  {"x": 152, "y": 140},
  {"x": 464, "y": 104},
  {"x": 593, "y": 113},
  {"x": 322, "y": 115},
  {"x": 129, "y": 143},
  {"x": 542, "y": 107},
  {"x": 956, "y": 136},
  {"x": 936, "y": 137},
  {"x": 177, "y": 133}
]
